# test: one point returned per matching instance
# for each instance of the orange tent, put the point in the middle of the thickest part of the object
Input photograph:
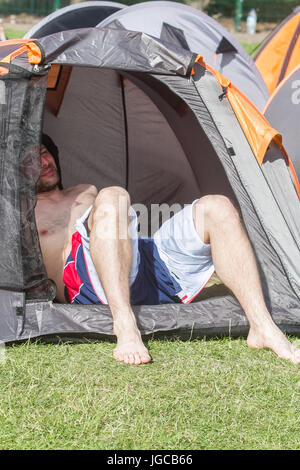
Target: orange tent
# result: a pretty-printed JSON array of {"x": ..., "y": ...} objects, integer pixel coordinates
[{"x": 280, "y": 52}]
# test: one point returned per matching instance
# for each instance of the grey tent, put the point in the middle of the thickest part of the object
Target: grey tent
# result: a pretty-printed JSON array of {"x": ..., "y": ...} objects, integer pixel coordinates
[
  {"x": 192, "y": 29},
  {"x": 128, "y": 109},
  {"x": 283, "y": 112},
  {"x": 79, "y": 15}
]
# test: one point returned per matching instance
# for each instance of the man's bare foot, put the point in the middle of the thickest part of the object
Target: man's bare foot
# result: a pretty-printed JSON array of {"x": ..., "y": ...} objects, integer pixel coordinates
[
  {"x": 272, "y": 338},
  {"x": 131, "y": 350}
]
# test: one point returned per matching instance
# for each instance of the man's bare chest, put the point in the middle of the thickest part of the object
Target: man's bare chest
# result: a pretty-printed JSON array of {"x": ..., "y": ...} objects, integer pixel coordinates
[
  {"x": 52, "y": 219},
  {"x": 56, "y": 216}
]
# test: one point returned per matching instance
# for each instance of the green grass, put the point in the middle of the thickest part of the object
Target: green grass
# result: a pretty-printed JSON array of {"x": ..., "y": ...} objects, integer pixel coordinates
[
  {"x": 14, "y": 34},
  {"x": 251, "y": 48},
  {"x": 215, "y": 394}
]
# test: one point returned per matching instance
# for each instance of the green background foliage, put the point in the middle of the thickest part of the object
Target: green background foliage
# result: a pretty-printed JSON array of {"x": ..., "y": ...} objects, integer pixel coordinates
[
  {"x": 43, "y": 7},
  {"x": 267, "y": 10}
]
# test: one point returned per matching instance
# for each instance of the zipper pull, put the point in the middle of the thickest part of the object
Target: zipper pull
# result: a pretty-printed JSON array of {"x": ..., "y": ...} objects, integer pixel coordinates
[{"x": 224, "y": 88}]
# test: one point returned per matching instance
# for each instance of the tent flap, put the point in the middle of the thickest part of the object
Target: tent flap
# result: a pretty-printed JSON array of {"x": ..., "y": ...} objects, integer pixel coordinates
[{"x": 110, "y": 48}]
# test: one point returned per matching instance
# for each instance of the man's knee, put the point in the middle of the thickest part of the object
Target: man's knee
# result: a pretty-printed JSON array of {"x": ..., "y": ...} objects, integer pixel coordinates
[
  {"x": 216, "y": 209},
  {"x": 109, "y": 203},
  {"x": 112, "y": 194}
]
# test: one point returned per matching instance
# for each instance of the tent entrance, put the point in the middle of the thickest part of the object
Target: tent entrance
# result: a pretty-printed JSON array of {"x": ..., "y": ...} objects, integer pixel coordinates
[{"x": 130, "y": 130}]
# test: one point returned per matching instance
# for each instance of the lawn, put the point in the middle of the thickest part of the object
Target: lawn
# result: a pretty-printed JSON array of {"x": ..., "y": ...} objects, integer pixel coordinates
[
  {"x": 14, "y": 34},
  {"x": 251, "y": 48},
  {"x": 215, "y": 394}
]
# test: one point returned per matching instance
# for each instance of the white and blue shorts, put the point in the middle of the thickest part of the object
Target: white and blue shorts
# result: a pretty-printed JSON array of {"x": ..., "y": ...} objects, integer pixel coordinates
[{"x": 173, "y": 266}]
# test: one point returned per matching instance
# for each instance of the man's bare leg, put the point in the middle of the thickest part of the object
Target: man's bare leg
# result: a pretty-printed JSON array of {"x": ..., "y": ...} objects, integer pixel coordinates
[
  {"x": 112, "y": 258},
  {"x": 218, "y": 223}
]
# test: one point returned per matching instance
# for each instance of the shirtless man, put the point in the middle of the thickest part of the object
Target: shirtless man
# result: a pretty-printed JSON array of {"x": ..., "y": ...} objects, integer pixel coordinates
[{"x": 71, "y": 223}]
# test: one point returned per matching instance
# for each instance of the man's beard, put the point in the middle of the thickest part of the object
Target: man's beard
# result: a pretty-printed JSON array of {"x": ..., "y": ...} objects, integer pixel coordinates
[{"x": 44, "y": 186}]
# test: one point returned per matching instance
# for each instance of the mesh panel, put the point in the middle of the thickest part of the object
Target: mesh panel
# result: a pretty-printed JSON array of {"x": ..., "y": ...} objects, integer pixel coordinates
[{"x": 21, "y": 264}]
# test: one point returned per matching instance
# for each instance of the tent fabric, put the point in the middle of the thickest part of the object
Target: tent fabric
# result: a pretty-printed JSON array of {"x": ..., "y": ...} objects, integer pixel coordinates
[
  {"x": 252, "y": 178},
  {"x": 279, "y": 54},
  {"x": 109, "y": 48},
  {"x": 256, "y": 128},
  {"x": 9, "y": 46},
  {"x": 282, "y": 111},
  {"x": 80, "y": 15},
  {"x": 30, "y": 50},
  {"x": 194, "y": 30},
  {"x": 174, "y": 36},
  {"x": 129, "y": 109},
  {"x": 221, "y": 316}
]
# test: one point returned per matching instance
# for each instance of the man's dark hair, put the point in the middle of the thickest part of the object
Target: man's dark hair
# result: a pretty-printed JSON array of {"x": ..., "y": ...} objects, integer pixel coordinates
[{"x": 52, "y": 148}]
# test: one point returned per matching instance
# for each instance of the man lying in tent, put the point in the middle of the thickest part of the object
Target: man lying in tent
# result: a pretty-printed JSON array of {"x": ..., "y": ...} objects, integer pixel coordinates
[{"x": 86, "y": 248}]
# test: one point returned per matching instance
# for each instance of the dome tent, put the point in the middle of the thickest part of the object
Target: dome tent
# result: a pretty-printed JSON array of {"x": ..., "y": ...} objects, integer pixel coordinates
[
  {"x": 283, "y": 112},
  {"x": 279, "y": 53},
  {"x": 127, "y": 109},
  {"x": 193, "y": 30},
  {"x": 78, "y": 15}
]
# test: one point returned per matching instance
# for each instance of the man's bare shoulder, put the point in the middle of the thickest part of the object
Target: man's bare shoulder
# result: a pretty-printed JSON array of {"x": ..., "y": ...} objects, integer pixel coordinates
[
  {"x": 81, "y": 195},
  {"x": 83, "y": 189}
]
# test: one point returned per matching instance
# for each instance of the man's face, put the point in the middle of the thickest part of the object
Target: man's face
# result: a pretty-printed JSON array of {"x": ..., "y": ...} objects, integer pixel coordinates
[{"x": 49, "y": 177}]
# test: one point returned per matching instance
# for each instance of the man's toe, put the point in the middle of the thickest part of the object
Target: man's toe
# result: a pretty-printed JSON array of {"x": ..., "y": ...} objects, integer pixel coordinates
[
  {"x": 118, "y": 355},
  {"x": 145, "y": 358},
  {"x": 131, "y": 358}
]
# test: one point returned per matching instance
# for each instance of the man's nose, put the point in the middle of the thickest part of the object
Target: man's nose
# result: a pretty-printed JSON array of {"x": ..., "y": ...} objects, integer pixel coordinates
[{"x": 44, "y": 161}]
